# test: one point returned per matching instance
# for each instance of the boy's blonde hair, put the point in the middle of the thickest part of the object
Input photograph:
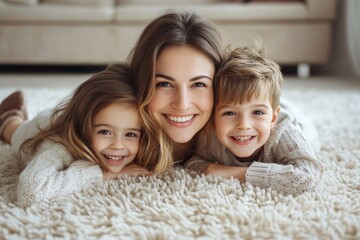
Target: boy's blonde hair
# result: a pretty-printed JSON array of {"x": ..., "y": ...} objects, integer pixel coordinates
[{"x": 245, "y": 74}]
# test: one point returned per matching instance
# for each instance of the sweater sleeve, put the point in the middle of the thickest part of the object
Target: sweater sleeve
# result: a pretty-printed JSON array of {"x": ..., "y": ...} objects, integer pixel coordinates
[
  {"x": 197, "y": 163},
  {"x": 53, "y": 172},
  {"x": 289, "y": 165}
]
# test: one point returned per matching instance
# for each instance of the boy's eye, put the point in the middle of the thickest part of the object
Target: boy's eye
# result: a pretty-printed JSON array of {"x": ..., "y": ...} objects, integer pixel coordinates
[
  {"x": 104, "y": 132},
  {"x": 229, "y": 113},
  {"x": 163, "y": 84},
  {"x": 258, "y": 112}
]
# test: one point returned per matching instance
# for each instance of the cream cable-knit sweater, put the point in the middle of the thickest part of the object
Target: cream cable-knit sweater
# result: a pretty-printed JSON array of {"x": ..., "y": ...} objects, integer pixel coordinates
[
  {"x": 287, "y": 162},
  {"x": 51, "y": 172}
]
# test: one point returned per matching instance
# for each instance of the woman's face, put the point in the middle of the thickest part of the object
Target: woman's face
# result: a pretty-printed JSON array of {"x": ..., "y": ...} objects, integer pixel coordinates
[{"x": 183, "y": 97}]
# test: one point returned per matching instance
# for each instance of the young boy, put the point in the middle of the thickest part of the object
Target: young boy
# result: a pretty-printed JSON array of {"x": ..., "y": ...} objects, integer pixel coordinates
[{"x": 250, "y": 137}]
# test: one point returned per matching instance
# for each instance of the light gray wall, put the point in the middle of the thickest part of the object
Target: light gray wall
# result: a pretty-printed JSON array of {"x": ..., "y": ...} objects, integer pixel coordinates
[{"x": 339, "y": 63}]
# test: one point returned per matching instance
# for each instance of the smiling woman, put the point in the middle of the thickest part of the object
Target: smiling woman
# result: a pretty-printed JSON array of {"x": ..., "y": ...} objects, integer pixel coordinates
[{"x": 173, "y": 65}]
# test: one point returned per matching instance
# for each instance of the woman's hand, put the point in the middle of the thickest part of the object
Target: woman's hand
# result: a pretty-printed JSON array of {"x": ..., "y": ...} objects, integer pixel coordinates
[
  {"x": 226, "y": 171},
  {"x": 134, "y": 169},
  {"x": 130, "y": 169}
]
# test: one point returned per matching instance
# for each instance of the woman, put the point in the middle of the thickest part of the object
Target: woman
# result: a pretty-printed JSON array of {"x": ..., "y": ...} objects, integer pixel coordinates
[{"x": 173, "y": 65}]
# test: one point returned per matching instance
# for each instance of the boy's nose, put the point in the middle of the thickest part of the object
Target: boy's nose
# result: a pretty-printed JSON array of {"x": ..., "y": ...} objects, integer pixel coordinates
[{"x": 243, "y": 123}]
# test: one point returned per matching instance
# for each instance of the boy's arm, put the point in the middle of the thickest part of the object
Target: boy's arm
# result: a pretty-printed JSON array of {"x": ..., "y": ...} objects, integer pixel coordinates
[
  {"x": 290, "y": 166},
  {"x": 53, "y": 172}
]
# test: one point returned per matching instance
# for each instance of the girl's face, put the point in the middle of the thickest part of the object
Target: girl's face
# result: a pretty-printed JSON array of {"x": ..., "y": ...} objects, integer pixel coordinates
[
  {"x": 183, "y": 97},
  {"x": 116, "y": 135},
  {"x": 245, "y": 128}
]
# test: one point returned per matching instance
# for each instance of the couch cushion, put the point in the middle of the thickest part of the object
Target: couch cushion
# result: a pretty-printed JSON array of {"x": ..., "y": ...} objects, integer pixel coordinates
[
  {"x": 148, "y": 2},
  {"x": 82, "y": 2},
  {"x": 23, "y": 2},
  {"x": 244, "y": 12},
  {"x": 51, "y": 13}
]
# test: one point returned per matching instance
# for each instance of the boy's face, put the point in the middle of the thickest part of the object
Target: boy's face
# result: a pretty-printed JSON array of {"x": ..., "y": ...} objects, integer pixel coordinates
[
  {"x": 244, "y": 128},
  {"x": 116, "y": 135}
]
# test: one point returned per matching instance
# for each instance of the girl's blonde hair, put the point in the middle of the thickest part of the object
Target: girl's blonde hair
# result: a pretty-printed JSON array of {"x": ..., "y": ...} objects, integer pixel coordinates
[
  {"x": 246, "y": 73},
  {"x": 72, "y": 120},
  {"x": 171, "y": 29}
]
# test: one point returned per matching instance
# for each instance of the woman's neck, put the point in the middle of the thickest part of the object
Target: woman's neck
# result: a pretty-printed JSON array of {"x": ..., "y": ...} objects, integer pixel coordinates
[{"x": 183, "y": 151}]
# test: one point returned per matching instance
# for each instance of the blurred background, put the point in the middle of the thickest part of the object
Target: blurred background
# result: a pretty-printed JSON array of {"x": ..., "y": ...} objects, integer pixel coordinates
[{"x": 308, "y": 38}]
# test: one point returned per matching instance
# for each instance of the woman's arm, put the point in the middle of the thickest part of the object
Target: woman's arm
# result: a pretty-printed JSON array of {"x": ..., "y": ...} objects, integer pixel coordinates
[{"x": 226, "y": 171}]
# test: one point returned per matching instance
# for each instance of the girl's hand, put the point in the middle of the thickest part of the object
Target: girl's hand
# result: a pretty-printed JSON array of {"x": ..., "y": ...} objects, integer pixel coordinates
[{"x": 130, "y": 169}]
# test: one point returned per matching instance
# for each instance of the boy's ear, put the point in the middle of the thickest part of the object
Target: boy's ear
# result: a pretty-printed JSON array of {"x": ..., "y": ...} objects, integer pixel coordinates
[{"x": 275, "y": 117}]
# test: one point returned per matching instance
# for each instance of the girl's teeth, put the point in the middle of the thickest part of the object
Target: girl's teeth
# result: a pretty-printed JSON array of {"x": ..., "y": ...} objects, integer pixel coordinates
[
  {"x": 242, "y": 139},
  {"x": 180, "y": 119},
  {"x": 113, "y": 158}
]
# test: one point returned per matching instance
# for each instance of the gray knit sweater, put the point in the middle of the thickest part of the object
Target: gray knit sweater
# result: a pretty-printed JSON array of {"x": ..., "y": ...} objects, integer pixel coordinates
[{"x": 287, "y": 162}]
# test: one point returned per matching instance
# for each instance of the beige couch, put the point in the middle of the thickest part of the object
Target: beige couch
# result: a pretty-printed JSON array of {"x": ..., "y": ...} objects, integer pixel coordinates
[{"x": 82, "y": 32}]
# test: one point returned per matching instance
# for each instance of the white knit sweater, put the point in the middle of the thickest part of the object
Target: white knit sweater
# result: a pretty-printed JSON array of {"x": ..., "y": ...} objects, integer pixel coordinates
[
  {"x": 287, "y": 163},
  {"x": 52, "y": 171}
]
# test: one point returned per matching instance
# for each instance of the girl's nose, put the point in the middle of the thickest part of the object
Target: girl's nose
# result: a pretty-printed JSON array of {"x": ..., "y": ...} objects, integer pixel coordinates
[{"x": 117, "y": 143}]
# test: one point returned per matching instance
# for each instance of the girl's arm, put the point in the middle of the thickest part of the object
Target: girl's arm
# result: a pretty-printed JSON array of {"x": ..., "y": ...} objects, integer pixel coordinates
[{"x": 53, "y": 172}]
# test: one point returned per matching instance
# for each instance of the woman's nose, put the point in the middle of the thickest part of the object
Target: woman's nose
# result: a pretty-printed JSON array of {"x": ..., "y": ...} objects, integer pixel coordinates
[{"x": 182, "y": 99}]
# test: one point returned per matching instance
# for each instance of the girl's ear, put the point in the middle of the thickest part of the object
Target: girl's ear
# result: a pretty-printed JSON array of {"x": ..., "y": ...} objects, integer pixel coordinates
[{"x": 275, "y": 117}]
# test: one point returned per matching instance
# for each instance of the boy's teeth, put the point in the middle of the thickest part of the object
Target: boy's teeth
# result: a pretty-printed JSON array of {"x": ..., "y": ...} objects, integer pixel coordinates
[
  {"x": 242, "y": 139},
  {"x": 180, "y": 119}
]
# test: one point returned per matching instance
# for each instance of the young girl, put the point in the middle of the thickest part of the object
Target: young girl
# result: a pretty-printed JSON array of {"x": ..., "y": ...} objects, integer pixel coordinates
[
  {"x": 94, "y": 135},
  {"x": 252, "y": 139}
]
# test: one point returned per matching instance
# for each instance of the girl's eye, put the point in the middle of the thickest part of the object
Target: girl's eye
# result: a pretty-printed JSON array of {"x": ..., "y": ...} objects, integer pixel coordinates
[
  {"x": 131, "y": 134},
  {"x": 229, "y": 114},
  {"x": 163, "y": 84},
  {"x": 258, "y": 112},
  {"x": 104, "y": 132}
]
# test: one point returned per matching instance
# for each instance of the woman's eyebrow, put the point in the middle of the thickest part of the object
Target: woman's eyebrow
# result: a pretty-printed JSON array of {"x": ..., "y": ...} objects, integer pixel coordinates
[{"x": 172, "y": 79}]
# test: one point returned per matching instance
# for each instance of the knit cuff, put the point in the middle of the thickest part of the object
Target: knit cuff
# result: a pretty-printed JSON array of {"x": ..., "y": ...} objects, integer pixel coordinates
[
  {"x": 88, "y": 171},
  {"x": 257, "y": 174}
]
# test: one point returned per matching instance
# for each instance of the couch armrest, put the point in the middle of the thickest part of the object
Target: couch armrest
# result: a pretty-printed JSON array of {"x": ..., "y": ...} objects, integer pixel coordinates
[{"x": 321, "y": 9}]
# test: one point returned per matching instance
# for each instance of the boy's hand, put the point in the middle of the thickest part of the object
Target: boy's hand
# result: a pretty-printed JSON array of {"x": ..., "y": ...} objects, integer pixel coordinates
[
  {"x": 226, "y": 171},
  {"x": 130, "y": 169}
]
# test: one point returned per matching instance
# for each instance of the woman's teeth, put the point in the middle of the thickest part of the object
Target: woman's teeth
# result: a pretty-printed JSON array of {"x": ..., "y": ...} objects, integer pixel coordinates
[{"x": 180, "y": 119}]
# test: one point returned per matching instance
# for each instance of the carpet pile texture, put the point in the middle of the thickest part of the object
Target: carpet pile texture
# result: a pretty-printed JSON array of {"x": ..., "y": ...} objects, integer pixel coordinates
[{"x": 185, "y": 205}]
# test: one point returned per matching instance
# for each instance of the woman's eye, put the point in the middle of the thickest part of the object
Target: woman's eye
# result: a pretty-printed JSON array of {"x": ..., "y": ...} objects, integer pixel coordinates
[
  {"x": 163, "y": 84},
  {"x": 199, "y": 84},
  {"x": 104, "y": 132}
]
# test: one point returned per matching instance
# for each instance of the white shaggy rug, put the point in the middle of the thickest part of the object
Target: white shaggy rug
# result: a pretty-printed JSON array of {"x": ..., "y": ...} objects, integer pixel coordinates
[{"x": 183, "y": 205}]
